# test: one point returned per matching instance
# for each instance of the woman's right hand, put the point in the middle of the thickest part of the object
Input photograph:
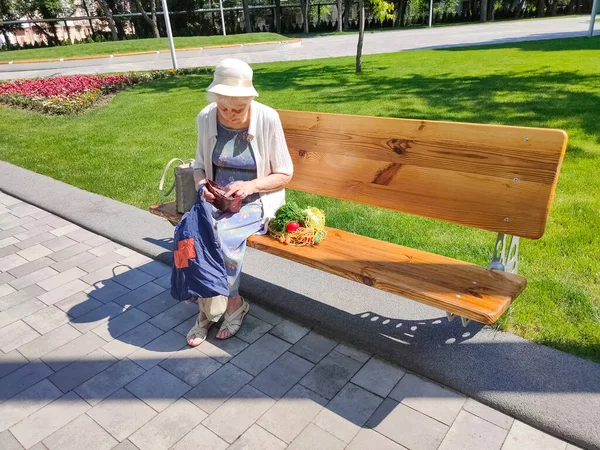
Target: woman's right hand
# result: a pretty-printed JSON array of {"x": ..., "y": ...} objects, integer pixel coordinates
[{"x": 207, "y": 195}]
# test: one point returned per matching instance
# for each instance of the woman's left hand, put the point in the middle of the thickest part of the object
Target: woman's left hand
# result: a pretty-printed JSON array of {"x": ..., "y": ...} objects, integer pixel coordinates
[{"x": 241, "y": 189}]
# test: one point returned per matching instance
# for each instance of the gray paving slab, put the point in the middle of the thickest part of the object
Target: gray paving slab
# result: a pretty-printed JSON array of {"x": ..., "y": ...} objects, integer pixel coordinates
[
  {"x": 289, "y": 331},
  {"x": 9, "y": 250},
  {"x": 133, "y": 340},
  {"x": 48, "y": 342},
  {"x": 122, "y": 414},
  {"x": 19, "y": 297},
  {"x": 201, "y": 436},
  {"x": 353, "y": 352},
  {"x": 134, "y": 278},
  {"x": 158, "y": 304},
  {"x": 6, "y": 289},
  {"x": 168, "y": 427},
  {"x": 315, "y": 438},
  {"x": 28, "y": 268},
  {"x": 140, "y": 295},
  {"x": 61, "y": 279},
  {"x": 62, "y": 292},
  {"x": 175, "y": 315},
  {"x": 11, "y": 261},
  {"x": 82, "y": 370},
  {"x": 349, "y": 410},
  {"x": 34, "y": 252},
  {"x": 282, "y": 375},
  {"x": 257, "y": 438},
  {"x": 261, "y": 354},
  {"x": 221, "y": 350},
  {"x": 523, "y": 436},
  {"x": 46, "y": 319},
  {"x": 39, "y": 239},
  {"x": 331, "y": 374},
  {"x": 190, "y": 365},
  {"x": 61, "y": 231},
  {"x": 79, "y": 259},
  {"x": 81, "y": 433},
  {"x": 313, "y": 346},
  {"x": 97, "y": 317},
  {"x": 158, "y": 349},
  {"x": 49, "y": 419},
  {"x": 212, "y": 392},
  {"x": 158, "y": 388},
  {"x": 371, "y": 439},
  {"x": 16, "y": 334},
  {"x": 238, "y": 413},
  {"x": 13, "y": 314},
  {"x": 33, "y": 278},
  {"x": 73, "y": 351},
  {"x": 126, "y": 445},
  {"x": 9, "y": 442},
  {"x": 69, "y": 252},
  {"x": 291, "y": 414},
  {"x": 107, "y": 290},
  {"x": 408, "y": 427},
  {"x": 5, "y": 278},
  {"x": 253, "y": 329},
  {"x": 109, "y": 381},
  {"x": 429, "y": 398},
  {"x": 78, "y": 304},
  {"x": 26, "y": 403},
  {"x": 59, "y": 242},
  {"x": 489, "y": 414},
  {"x": 115, "y": 327},
  {"x": 23, "y": 378},
  {"x": 11, "y": 361},
  {"x": 470, "y": 432},
  {"x": 378, "y": 376}
]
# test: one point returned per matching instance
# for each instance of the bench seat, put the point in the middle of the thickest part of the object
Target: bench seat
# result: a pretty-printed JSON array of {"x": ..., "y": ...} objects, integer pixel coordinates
[{"x": 460, "y": 288}]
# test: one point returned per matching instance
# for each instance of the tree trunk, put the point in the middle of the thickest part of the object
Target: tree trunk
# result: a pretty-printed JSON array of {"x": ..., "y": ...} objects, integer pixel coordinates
[
  {"x": 6, "y": 41},
  {"x": 149, "y": 20},
  {"x": 554, "y": 9},
  {"x": 347, "y": 11},
  {"x": 404, "y": 5},
  {"x": 68, "y": 32},
  {"x": 361, "y": 35},
  {"x": 483, "y": 10},
  {"x": 304, "y": 9},
  {"x": 340, "y": 9},
  {"x": 278, "y": 15},
  {"x": 541, "y": 6},
  {"x": 247, "y": 22},
  {"x": 87, "y": 13},
  {"x": 111, "y": 20},
  {"x": 491, "y": 9}
]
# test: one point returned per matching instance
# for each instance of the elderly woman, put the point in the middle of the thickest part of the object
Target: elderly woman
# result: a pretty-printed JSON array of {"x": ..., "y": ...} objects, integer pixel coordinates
[{"x": 241, "y": 146}]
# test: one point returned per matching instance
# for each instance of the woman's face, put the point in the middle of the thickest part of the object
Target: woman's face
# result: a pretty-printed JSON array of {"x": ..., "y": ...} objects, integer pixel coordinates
[{"x": 234, "y": 112}]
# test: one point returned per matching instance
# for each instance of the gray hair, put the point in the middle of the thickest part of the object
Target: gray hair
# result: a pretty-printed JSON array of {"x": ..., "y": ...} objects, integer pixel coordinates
[{"x": 228, "y": 101}]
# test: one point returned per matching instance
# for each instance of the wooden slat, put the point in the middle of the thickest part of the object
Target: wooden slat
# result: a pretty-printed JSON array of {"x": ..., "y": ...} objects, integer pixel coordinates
[
  {"x": 465, "y": 289},
  {"x": 485, "y": 176},
  {"x": 461, "y": 288}
]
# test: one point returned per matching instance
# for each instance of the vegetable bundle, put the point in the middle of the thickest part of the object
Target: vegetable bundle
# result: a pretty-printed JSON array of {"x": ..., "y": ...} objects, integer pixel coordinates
[{"x": 296, "y": 226}]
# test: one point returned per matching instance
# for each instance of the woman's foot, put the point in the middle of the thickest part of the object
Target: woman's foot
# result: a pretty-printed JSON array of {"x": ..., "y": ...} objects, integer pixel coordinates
[
  {"x": 197, "y": 334},
  {"x": 237, "y": 308}
]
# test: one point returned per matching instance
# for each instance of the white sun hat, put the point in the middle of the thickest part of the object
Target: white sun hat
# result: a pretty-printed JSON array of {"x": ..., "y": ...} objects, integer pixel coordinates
[{"x": 233, "y": 78}]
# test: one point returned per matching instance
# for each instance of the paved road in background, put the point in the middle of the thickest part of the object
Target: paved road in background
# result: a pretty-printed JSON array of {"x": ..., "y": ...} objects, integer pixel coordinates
[{"x": 331, "y": 46}]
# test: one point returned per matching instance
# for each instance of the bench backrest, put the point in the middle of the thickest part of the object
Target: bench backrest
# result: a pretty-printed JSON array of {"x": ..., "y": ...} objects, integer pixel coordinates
[{"x": 493, "y": 177}]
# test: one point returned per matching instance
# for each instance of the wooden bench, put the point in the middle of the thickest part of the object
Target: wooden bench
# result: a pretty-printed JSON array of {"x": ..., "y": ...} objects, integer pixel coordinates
[{"x": 492, "y": 177}]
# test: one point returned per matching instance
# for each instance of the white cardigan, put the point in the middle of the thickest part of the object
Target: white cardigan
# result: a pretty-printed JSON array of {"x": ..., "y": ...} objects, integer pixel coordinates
[{"x": 268, "y": 143}]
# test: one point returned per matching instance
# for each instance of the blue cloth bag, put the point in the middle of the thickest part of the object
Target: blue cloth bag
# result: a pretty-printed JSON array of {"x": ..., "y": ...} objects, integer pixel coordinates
[{"x": 198, "y": 264}]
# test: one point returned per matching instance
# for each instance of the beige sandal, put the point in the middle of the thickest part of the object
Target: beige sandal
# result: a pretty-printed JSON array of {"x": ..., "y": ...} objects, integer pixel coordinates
[
  {"x": 199, "y": 331},
  {"x": 233, "y": 322}
]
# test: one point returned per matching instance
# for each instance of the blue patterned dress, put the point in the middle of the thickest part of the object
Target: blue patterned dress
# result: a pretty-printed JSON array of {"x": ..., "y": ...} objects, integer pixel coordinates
[{"x": 233, "y": 160}]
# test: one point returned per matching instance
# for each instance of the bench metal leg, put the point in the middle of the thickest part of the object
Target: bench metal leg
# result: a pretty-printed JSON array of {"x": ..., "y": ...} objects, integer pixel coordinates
[
  {"x": 506, "y": 253},
  {"x": 464, "y": 320}
]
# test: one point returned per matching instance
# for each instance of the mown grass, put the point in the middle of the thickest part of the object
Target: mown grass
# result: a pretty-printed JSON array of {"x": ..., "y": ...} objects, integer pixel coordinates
[
  {"x": 135, "y": 45},
  {"x": 120, "y": 150}
]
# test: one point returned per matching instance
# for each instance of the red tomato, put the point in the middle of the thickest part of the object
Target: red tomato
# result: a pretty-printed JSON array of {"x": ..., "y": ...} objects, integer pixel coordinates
[{"x": 292, "y": 226}]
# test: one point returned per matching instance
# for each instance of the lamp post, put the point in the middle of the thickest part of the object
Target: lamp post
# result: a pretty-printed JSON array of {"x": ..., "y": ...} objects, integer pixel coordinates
[{"x": 169, "y": 33}]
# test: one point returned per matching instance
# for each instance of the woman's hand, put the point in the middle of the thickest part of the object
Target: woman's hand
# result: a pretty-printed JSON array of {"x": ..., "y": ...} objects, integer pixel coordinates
[
  {"x": 208, "y": 196},
  {"x": 241, "y": 189}
]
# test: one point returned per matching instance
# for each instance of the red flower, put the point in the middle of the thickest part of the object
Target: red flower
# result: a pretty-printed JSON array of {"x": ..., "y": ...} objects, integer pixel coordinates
[{"x": 63, "y": 86}]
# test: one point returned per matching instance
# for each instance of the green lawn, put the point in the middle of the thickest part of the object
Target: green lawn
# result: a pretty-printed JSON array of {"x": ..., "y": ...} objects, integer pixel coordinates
[
  {"x": 120, "y": 150},
  {"x": 136, "y": 45}
]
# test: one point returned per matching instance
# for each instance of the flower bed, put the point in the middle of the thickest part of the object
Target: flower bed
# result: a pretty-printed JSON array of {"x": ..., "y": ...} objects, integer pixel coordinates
[{"x": 73, "y": 94}]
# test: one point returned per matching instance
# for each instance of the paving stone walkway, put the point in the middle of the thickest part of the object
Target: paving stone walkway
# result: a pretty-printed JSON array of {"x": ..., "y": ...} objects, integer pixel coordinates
[{"x": 93, "y": 356}]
